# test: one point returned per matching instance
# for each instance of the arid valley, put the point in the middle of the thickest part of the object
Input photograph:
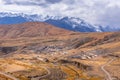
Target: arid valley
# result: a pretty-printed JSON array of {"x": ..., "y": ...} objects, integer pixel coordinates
[{"x": 45, "y": 52}]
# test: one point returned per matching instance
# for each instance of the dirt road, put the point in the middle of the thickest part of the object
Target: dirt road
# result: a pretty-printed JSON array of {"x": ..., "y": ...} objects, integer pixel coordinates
[{"x": 108, "y": 76}]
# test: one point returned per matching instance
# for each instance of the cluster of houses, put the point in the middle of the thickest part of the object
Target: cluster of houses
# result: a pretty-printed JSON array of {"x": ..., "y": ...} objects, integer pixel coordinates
[{"x": 84, "y": 55}]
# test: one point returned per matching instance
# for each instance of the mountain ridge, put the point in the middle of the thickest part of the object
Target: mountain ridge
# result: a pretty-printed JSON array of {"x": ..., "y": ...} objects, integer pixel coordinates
[
  {"x": 30, "y": 29},
  {"x": 69, "y": 23}
]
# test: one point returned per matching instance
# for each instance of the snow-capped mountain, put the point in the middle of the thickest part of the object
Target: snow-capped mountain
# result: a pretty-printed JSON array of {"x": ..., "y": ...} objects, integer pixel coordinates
[{"x": 69, "y": 23}]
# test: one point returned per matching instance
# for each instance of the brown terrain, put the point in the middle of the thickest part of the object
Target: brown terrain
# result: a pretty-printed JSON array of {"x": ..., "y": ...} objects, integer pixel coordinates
[
  {"x": 30, "y": 29},
  {"x": 40, "y": 51}
]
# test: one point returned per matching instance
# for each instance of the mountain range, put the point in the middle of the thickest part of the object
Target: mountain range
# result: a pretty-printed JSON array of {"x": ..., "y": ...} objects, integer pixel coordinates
[{"x": 69, "y": 23}]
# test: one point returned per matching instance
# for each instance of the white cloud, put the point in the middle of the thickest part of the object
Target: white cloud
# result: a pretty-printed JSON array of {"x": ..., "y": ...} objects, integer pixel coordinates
[
  {"x": 26, "y": 2},
  {"x": 1, "y": 2},
  {"x": 94, "y": 11}
]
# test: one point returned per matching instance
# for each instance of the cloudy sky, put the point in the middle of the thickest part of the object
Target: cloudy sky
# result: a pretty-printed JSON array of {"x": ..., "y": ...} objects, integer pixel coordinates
[{"x": 104, "y": 12}]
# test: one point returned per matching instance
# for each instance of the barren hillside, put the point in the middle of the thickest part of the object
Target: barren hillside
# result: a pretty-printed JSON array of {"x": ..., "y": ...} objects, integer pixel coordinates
[
  {"x": 43, "y": 52},
  {"x": 30, "y": 29}
]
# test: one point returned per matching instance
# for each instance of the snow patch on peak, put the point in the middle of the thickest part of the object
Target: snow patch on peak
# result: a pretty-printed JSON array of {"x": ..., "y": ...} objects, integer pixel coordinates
[
  {"x": 98, "y": 28},
  {"x": 76, "y": 20}
]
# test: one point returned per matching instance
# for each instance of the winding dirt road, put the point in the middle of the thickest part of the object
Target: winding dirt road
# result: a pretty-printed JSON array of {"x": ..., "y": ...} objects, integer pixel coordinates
[
  {"x": 108, "y": 76},
  {"x": 9, "y": 76},
  {"x": 48, "y": 73}
]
